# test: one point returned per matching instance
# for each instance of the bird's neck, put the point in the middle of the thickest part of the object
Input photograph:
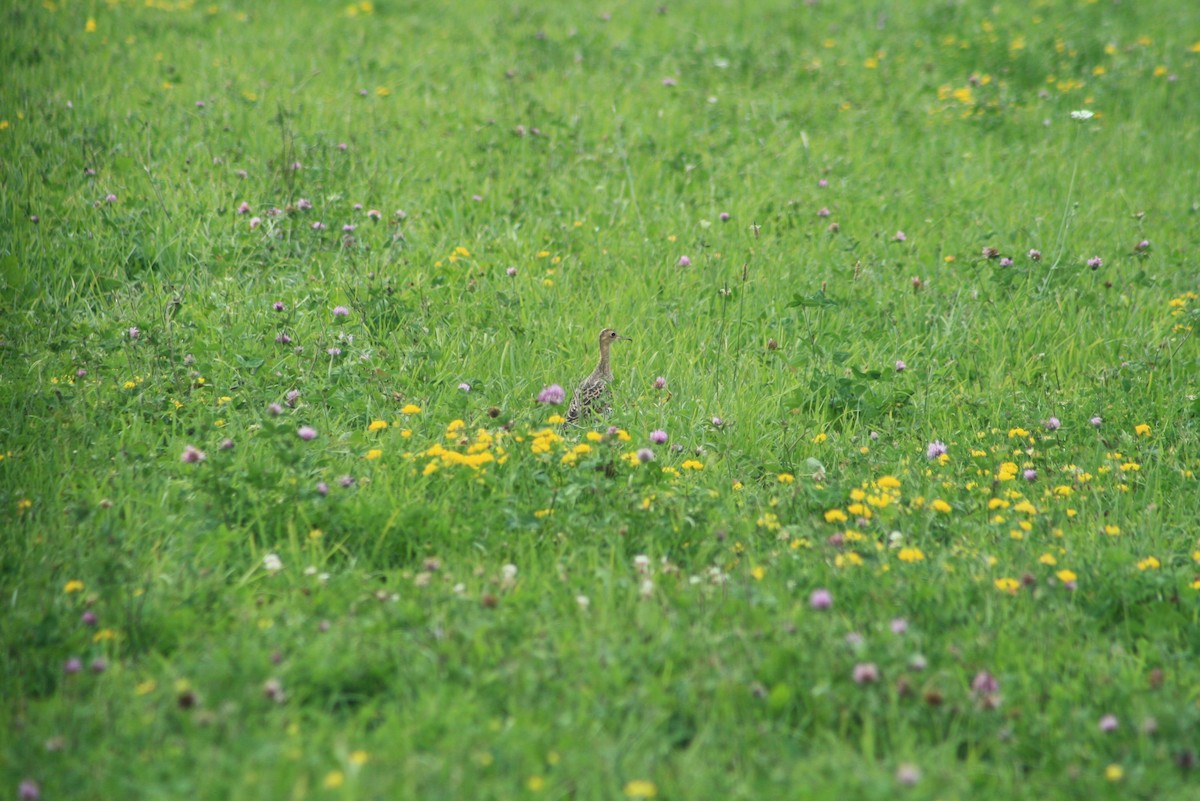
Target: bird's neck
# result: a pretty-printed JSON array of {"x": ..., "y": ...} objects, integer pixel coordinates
[{"x": 602, "y": 367}]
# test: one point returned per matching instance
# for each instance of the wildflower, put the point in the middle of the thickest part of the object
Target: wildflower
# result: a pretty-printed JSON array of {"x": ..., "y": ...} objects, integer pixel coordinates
[
  {"x": 820, "y": 599},
  {"x": 74, "y": 585},
  {"x": 1108, "y": 723},
  {"x": 1006, "y": 262},
  {"x": 692, "y": 464},
  {"x": 582, "y": 601},
  {"x": 318, "y": 226},
  {"x": 72, "y": 665},
  {"x": 373, "y": 454},
  {"x": 900, "y": 366},
  {"x": 133, "y": 332},
  {"x": 283, "y": 339},
  {"x": 941, "y": 506},
  {"x": 911, "y": 554},
  {"x": 349, "y": 228},
  {"x": 866, "y": 673},
  {"x": 322, "y": 488},
  {"x": 307, "y": 433},
  {"x": 660, "y": 383},
  {"x": 823, "y": 212},
  {"x": 658, "y": 436},
  {"x": 1113, "y": 773},
  {"x": 899, "y": 237},
  {"x": 274, "y": 410},
  {"x": 244, "y": 208},
  {"x": 226, "y": 444},
  {"x": 908, "y": 774},
  {"x": 464, "y": 387},
  {"x": 341, "y": 311},
  {"x": 192, "y": 455},
  {"x": 88, "y": 618},
  {"x": 645, "y": 455},
  {"x": 1142, "y": 430},
  {"x": 99, "y": 665},
  {"x": 723, "y": 216},
  {"x": 991, "y": 253},
  {"x": 935, "y": 449},
  {"x": 377, "y": 425},
  {"x": 411, "y": 408},
  {"x": 334, "y": 779},
  {"x": 110, "y": 198},
  {"x": 1095, "y": 262},
  {"x": 786, "y": 478},
  {"x": 985, "y": 683},
  {"x": 374, "y": 214},
  {"x": 272, "y": 563},
  {"x": 1082, "y": 114},
  {"x": 1142, "y": 246},
  {"x": 641, "y": 788},
  {"x": 684, "y": 261},
  {"x": 346, "y": 481},
  {"x": 1035, "y": 254},
  {"x": 898, "y": 625},
  {"x": 1008, "y": 585},
  {"x": 717, "y": 422},
  {"x": 255, "y": 222},
  {"x": 1096, "y": 421},
  {"x": 335, "y": 352},
  {"x": 1053, "y": 424},
  {"x": 1149, "y": 563},
  {"x": 552, "y": 394},
  {"x": 669, "y": 82},
  {"x": 511, "y": 271}
]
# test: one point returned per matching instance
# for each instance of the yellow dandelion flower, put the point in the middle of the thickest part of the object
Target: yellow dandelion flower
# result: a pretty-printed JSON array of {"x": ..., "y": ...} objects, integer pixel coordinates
[
  {"x": 939, "y": 505},
  {"x": 1048, "y": 559},
  {"x": 692, "y": 464},
  {"x": 1112, "y": 530},
  {"x": 377, "y": 425},
  {"x": 836, "y": 516},
  {"x": 911, "y": 554},
  {"x": 594, "y": 436},
  {"x": 1066, "y": 576},
  {"x": 146, "y": 687},
  {"x": 1114, "y": 773},
  {"x": 74, "y": 585},
  {"x": 373, "y": 454},
  {"x": 334, "y": 779},
  {"x": 90, "y": 25},
  {"x": 758, "y": 572},
  {"x": 819, "y": 438},
  {"x": 888, "y": 482},
  {"x": 411, "y": 408},
  {"x": 359, "y": 757},
  {"x": 786, "y": 478},
  {"x": 641, "y": 788},
  {"x": 1142, "y": 430},
  {"x": 556, "y": 419},
  {"x": 1008, "y": 585},
  {"x": 1149, "y": 563},
  {"x": 535, "y": 784}
]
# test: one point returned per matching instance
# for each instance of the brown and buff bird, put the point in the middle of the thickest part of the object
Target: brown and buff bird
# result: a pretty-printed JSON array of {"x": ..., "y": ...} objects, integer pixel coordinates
[{"x": 592, "y": 395}]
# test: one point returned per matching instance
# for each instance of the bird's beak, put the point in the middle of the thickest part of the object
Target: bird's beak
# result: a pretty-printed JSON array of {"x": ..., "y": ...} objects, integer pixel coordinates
[{"x": 627, "y": 339}]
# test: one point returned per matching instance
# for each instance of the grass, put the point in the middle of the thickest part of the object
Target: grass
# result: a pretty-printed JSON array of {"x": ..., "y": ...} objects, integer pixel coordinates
[{"x": 493, "y": 608}]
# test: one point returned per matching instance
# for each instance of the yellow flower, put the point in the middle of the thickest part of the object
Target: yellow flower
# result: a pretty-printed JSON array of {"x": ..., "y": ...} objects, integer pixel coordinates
[
  {"x": 74, "y": 585},
  {"x": 1142, "y": 430},
  {"x": 411, "y": 408},
  {"x": 911, "y": 555},
  {"x": 334, "y": 779},
  {"x": 1149, "y": 563},
  {"x": 819, "y": 438},
  {"x": 758, "y": 572},
  {"x": 835, "y": 516},
  {"x": 536, "y": 784},
  {"x": 377, "y": 425},
  {"x": 641, "y": 788},
  {"x": 382, "y": 91},
  {"x": 1048, "y": 559},
  {"x": 90, "y": 25},
  {"x": 1066, "y": 576},
  {"x": 941, "y": 506},
  {"x": 1008, "y": 585},
  {"x": 1114, "y": 773},
  {"x": 145, "y": 688},
  {"x": 373, "y": 454},
  {"x": 1017, "y": 432},
  {"x": 692, "y": 464},
  {"x": 129, "y": 385},
  {"x": 594, "y": 436},
  {"x": 1112, "y": 530},
  {"x": 104, "y": 635},
  {"x": 359, "y": 757},
  {"x": 556, "y": 419},
  {"x": 888, "y": 482},
  {"x": 786, "y": 478}
]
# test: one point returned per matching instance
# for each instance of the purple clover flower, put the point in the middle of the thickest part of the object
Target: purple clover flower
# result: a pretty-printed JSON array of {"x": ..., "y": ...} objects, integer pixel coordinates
[{"x": 552, "y": 394}]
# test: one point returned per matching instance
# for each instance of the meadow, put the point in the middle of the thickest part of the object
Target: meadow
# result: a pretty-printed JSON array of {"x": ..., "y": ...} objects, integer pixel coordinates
[{"x": 898, "y": 497}]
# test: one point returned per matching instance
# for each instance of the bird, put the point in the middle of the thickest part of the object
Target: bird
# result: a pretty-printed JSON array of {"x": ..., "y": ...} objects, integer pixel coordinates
[{"x": 592, "y": 395}]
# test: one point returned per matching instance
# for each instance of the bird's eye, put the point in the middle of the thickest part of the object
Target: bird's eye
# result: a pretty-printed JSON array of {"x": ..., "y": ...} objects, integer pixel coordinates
[{"x": 612, "y": 334}]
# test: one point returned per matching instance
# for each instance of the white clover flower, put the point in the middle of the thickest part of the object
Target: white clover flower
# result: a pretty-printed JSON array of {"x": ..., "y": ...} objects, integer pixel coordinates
[
  {"x": 272, "y": 563},
  {"x": 1082, "y": 114}
]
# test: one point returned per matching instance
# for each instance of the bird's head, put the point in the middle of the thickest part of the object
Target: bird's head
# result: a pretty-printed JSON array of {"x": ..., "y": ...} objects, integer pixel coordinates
[{"x": 609, "y": 335}]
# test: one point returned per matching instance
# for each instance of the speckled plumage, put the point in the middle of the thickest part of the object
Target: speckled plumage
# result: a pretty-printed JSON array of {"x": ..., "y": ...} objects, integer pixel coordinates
[{"x": 593, "y": 395}]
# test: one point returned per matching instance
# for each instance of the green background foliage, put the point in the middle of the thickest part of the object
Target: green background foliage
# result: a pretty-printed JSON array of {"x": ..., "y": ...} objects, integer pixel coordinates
[{"x": 852, "y": 185}]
